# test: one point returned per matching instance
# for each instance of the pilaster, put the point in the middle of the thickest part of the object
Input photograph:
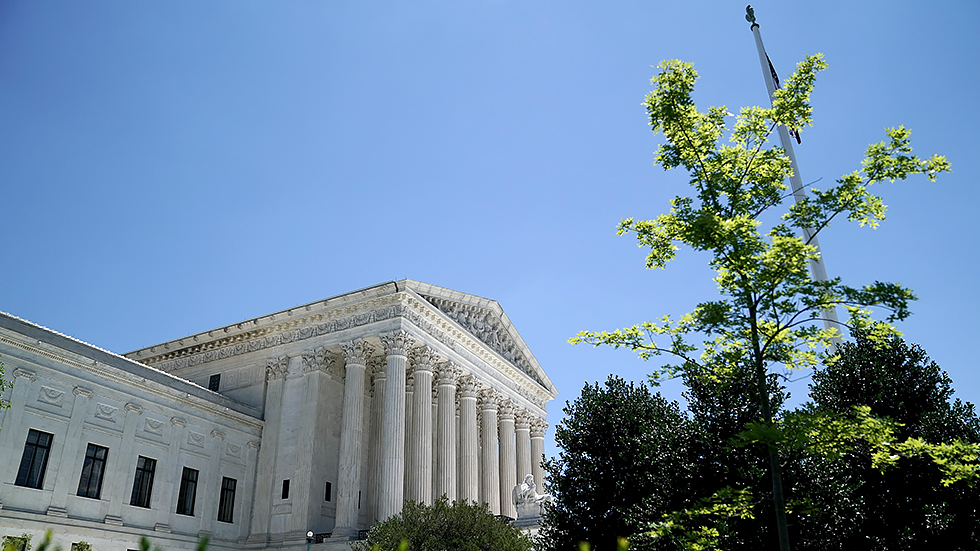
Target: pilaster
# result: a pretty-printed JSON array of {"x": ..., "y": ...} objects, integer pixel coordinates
[
  {"x": 116, "y": 465},
  {"x": 69, "y": 454},
  {"x": 276, "y": 371}
]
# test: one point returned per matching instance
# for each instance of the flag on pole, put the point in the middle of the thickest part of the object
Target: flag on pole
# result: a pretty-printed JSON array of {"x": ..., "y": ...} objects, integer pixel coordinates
[{"x": 775, "y": 78}]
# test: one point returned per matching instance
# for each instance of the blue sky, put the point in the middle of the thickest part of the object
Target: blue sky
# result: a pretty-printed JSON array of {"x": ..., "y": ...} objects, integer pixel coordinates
[{"x": 171, "y": 167}]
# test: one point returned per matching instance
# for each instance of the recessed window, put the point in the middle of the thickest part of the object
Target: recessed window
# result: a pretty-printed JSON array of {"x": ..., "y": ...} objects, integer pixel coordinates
[
  {"x": 285, "y": 489},
  {"x": 143, "y": 482},
  {"x": 326, "y": 494},
  {"x": 188, "y": 492},
  {"x": 93, "y": 469},
  {"x": 226, "y": 503},
  {"x": 35, "y": 459},
  {"x": 214, "y": 382}
]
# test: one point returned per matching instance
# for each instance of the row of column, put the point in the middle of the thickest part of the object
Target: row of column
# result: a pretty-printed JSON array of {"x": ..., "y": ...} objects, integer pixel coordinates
[{"x": 443, "y": 434}]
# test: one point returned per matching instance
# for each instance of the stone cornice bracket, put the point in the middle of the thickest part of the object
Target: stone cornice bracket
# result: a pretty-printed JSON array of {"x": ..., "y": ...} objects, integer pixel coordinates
[
  {"x": 357, "y": 352},
  {"x": 79, "y": 391},
  {"x": 133, "y": 407},
  {"x": 538, "y": 427},
  {"x": 253, "y": 445},
  {"x": 215, "y": 433},
  {"x": 397, "y": 342},
  {"x": 277, "y": 368},
  {"x": 424, "y": 358},
  {"x": 20, "y": 372},
  {"x": 448, "y": 374},
  {"x": 318, "y": 359},
  {"x": 506, "y": 409},
  {"x": 468, "y": 387},
  {"x": 178, "y": 422}
]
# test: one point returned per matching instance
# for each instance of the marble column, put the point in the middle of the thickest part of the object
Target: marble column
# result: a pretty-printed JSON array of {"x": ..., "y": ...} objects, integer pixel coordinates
[
  {"x": 522, "y": 427},
  {"x": 356, "y": 354},
  {"x": 69, "y": 454},
  {"x": 374, "y": 465},
  {"x": 508, "y": 459},
  {"x": 251, "y": 467},
  {"x": 315, "y": 363},
  {"x": 490, "y": 475},
  {"x": 446, "y": 433},
  {"x": 410, "y": 445},
  {"x": 434, "y": 437},
  {"x": 276, "y": 371},
  {"x": 538, "y": 428},
  {"x": 420, "y": 476},
  {"x": 392, "y": 494},
  {"x": 469, "y": 472},
  {"x": 117, "y": 490}
]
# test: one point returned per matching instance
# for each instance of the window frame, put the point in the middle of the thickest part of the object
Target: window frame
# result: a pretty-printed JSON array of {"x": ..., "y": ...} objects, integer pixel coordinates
[
  {"x": 143, "y": 482},
  {"x": 188, "y": 491},
  {"x": 33, "y": 475},
  {"x": 93, "y": 471},
  {"x": 226, "y": 501}
]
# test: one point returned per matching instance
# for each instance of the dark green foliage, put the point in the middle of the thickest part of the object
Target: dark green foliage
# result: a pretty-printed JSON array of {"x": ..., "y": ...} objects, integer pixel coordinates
[
  {"x": 441, "y": 526},
  {"x": 906, "y": 506},
  {"x": 626, "y": 460}
]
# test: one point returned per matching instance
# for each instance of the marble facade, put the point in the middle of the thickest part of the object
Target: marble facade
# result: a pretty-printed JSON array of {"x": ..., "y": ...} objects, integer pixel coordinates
[{"x": 326, "y": 417}]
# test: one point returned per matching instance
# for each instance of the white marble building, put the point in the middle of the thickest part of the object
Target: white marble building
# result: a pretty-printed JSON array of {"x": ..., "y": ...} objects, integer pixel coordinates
[{"x": 324, "y": 417}]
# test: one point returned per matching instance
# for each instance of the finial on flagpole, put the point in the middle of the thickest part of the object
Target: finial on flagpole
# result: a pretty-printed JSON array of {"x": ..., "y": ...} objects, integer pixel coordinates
[{"x": 750, "y": 16}]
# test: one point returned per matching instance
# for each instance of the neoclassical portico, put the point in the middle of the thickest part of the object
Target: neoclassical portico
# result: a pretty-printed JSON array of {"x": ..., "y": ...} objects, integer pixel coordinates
[{"x": 326, "y": 417}]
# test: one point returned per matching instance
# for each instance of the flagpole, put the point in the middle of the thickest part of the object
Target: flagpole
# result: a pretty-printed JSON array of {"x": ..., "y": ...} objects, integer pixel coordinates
[{"x": 817, "y": 269}]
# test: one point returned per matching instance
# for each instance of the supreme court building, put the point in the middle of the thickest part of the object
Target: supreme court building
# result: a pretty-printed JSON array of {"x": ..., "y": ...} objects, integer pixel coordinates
[{"x": 325, "y": 417}]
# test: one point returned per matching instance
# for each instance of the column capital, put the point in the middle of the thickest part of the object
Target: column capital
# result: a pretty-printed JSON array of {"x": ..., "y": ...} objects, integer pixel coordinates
[
  {"x": 468, "y": 387},
  {"x": 277, "y": 368},
  {"x": 134, "y": 407},
  {"x": 319, "y": 359},
  {"x": 397, "y": 342},
  {"x": 215, "y": 433},
  {"x": 423, "y": 359},
  {"x": 357, "y": 352},
  {"x": 177, "y": 422},
  {"x": 20, "y": 372},
  {"x": 538, "y": 427},
  {"x": 506, "y": 409},
  {"x": 522, "y": 419},
  {"x": 79, "y": 391},
  {"x": 448, "y": 373},
  {"x": 489, "y": 399}
]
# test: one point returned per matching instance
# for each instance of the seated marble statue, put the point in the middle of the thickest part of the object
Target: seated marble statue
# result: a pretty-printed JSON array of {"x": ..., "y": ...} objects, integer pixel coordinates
[{"x": 527, "y": 500}]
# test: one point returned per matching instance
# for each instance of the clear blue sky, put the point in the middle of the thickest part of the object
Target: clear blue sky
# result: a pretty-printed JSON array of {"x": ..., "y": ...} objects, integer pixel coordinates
[{"x": 171, "y": 167}]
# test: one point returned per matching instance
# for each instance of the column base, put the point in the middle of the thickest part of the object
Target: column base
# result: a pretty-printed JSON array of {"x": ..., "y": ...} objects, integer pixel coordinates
[
  {"x": 257, "y": 539},
  {"x": 57, "y": 512},
  {"x": 160, "y": 527},
  {"x": 113, "y": 519}
]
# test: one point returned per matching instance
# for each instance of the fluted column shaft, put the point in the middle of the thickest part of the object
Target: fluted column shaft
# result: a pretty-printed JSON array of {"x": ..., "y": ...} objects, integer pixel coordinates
[
  {"x": 392, "y": 493},
  {"x": 411, "y": 445},
  {"x": 508, "y": 460},
  {"x": 490, "y": 477},
  {"x": 469, "y": 481},
  {"x": 538, "y": 427},
  {"x": 377, "y": 417},
  {"x": 522, "y": 427},
  {"x": 446, "y": 434},
  {"x": 420, "y": 479},
  {"x": 349, "y": 474}
]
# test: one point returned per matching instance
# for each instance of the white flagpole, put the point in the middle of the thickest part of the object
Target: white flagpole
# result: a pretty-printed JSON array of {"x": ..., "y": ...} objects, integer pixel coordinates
[{"x": 817, "y": 269}]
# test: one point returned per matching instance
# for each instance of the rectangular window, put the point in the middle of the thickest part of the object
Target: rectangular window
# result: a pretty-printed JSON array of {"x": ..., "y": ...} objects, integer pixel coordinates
[
  {"x": 143, "y": 483},
  {"x": 226, "y": 503},
  {"x": 93, "y": 469},
  {"x": 188, "y": 491},
  {"x": 285, "y": 489},
  {"x": 214, "y": 382},
  {"x": 326, "y": 494},
  {"x": 35, "y": 459}
]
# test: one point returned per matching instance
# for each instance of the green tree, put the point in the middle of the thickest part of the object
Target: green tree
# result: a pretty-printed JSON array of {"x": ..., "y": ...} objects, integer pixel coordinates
[
  {"x": 906, "y": 506},
  {"x": 769, "y": 307},
  {"x": 441, "y": 526},
  {"x": 627, "y": 457}
]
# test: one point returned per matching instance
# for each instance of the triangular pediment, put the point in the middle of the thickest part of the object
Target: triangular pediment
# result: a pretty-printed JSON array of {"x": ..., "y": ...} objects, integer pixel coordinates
[{"x": 486, "y": 321}]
